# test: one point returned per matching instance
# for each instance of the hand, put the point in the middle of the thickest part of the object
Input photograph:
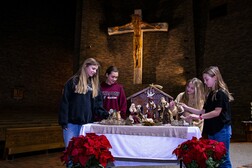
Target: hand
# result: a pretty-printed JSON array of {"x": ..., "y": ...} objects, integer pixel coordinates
[
  {"x": 194, "y": 116},
  {"x": 183, "y": 117},
  {"x": 105, "y": 115},
  {"x": 186, "y": 118},
  {"x": 183, "y": 105}
]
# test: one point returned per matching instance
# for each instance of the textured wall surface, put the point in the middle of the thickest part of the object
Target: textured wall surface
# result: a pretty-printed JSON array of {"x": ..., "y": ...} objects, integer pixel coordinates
[
  {"x": 229, "y": 46},
  {"x": 37, "y": 55},
  {"x": 169, "y": 57}
]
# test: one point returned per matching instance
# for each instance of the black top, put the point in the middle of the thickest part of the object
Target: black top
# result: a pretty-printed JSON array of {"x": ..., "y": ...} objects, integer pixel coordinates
[
  {"x": 78, "y": 108},
  {"x": 214, "y": 125}
]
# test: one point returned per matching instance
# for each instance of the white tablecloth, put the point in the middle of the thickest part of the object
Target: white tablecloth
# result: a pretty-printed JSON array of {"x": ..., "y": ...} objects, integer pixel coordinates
[{"x": 146, "y": 147}]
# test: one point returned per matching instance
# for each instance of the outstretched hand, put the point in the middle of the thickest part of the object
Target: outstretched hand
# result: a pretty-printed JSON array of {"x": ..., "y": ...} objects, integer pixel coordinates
[
  {"x": 183, "y": 105},
  {"x": 192, "y": 116}
]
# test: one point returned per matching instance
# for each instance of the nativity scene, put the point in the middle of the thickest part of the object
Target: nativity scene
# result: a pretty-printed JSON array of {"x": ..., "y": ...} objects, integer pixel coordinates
[{"x": 150, "y": 106}]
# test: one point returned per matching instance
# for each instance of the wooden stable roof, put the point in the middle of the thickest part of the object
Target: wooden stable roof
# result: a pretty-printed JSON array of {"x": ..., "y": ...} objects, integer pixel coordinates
[{"x": 152, "y": 86}]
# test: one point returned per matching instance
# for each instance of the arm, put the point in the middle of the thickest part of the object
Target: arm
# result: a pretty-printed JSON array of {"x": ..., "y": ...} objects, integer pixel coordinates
[
  {"x": 192, "y": 110},
  {"x": 216, "y": 112},
  {"x": 187, "y": 108},
  {"x": 123, "y": 103},
  {"x": 98, "y": 106},
  {"x": 218, "y": 105},
  {"x": 64, "y": 106}
]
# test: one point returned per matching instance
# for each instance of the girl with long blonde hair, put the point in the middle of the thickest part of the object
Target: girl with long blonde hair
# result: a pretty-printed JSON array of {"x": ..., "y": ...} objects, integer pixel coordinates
[
  {"x": 216, "y": 111},
  {"x": 84, "y": 76},
  {"x": 81, "y": 100},
  {"x": 193, "y": 96}
]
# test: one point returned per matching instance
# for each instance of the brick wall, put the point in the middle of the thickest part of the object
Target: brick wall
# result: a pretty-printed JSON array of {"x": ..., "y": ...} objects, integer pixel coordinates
[
  {"x": 35, "y": 54},
  {"x": 169, "y": 57},
  {"x": 228, "y": 45},
  {"x": 37, "y": 58}
]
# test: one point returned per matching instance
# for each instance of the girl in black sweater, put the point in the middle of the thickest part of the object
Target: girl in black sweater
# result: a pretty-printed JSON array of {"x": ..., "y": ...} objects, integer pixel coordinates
[{"x": 81, "y": 100}]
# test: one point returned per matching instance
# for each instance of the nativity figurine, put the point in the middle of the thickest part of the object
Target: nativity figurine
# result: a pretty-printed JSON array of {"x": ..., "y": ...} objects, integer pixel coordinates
[
  {"x": 134, "y": 114},
  {"x": 164, "y": 113},
  {"x": 151, "y": 108}
]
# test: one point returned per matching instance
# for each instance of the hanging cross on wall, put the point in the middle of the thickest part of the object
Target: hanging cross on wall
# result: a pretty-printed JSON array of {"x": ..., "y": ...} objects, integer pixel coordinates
[{"x": 137, "y": 26}]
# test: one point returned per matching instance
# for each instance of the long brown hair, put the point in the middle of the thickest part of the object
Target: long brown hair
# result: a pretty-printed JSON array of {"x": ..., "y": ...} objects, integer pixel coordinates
[
  {"x": 82, "y": 85},
  {"x": 219, "y": 84}
]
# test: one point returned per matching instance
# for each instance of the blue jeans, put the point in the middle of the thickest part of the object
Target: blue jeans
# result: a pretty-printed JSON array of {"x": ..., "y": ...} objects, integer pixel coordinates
[
  {"x": 73, "y": 130},
  {"x": 224, "y": 136}
]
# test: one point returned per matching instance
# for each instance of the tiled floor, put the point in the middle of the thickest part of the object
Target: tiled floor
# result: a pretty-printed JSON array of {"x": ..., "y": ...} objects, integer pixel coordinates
[
  {"x": 48, "y": 160},
  {"x": 240, "y": 154},
  {"x": 34, "y": 160}
]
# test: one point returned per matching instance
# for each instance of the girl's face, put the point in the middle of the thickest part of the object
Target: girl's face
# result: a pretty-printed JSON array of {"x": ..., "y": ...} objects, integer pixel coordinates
[
  {"x": 190, "y": 88},
  {"x": 209, "y": 81},
  {"x": 112, "y": 78},
  {"x": 91, "y": 70}
]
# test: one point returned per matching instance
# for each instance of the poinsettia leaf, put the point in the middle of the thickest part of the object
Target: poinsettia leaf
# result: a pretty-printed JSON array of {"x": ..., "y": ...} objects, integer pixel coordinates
[
  {"x": 83, "y": 159},
  {"x": 202, "y": 153},
  {"x": 88, "y": 151}
]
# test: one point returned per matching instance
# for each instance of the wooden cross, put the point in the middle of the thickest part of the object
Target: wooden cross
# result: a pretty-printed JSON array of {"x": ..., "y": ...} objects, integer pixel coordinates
[{"x": 137, "y": 26}]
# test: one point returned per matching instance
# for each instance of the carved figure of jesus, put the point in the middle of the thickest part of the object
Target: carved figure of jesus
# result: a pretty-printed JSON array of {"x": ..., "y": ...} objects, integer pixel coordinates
[{"x": 137, "y": 26}]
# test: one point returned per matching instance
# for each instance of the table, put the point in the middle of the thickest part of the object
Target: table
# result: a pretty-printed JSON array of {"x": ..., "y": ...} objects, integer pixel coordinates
[{"x": 152, "y": 143}]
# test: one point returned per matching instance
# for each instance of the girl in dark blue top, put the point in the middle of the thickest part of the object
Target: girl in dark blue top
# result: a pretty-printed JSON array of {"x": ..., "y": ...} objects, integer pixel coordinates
[{"x": 81, "y": 100}]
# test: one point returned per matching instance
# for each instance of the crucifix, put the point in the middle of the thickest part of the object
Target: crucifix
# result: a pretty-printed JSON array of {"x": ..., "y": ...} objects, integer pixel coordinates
[{"x": 137, "y": 26}]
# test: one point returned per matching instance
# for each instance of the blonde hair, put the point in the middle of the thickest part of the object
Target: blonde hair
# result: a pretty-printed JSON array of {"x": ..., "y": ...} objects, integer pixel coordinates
[
  {"x": 82, "y": 85},
  {"x": 219, "y": 84},
  {"x": 199, "y": 94}
]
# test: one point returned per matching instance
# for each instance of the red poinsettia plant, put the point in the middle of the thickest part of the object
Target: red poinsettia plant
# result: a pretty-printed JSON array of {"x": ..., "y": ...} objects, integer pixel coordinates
[
  {"x": 201, "y": 153},
  {"x": 90, "y": 151}
]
